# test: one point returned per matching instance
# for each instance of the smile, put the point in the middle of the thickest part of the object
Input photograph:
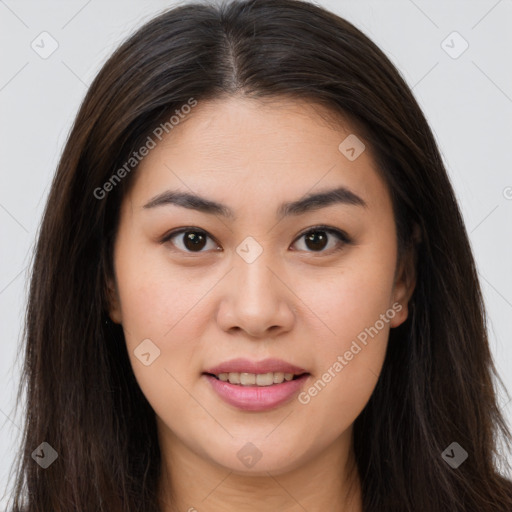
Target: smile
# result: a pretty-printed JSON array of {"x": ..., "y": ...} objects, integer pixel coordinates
[
  {"x": 256, "y": 379},
  {"x": 256, "y": 392}
]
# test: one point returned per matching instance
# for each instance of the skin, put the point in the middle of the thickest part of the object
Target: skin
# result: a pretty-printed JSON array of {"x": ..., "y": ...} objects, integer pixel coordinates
[{"x": 294, "y": 302}]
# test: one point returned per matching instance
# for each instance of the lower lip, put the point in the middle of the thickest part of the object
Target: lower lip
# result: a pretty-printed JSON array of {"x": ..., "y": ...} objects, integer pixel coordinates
[{"x": 256, "y": 398}]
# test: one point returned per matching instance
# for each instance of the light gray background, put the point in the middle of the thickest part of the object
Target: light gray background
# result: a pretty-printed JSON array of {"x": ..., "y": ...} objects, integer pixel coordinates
[{"x": 467, "y": 100}]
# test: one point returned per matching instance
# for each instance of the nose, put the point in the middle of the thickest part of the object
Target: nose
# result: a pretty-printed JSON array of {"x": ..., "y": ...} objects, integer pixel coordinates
[{"x": 256, "y": 300}]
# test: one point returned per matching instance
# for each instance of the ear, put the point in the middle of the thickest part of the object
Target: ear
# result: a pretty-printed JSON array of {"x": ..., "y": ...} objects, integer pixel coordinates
[
  {"x": 114, "y": 305},
  {"x": 405, "y": 280}
]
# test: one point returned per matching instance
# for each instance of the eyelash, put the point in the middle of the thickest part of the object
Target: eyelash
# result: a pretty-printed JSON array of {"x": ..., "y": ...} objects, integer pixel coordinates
[{"x": 343, "y": 238}]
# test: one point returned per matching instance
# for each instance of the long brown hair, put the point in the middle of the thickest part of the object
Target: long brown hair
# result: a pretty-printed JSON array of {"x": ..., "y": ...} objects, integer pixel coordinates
[{"x": 438, "y": 382}]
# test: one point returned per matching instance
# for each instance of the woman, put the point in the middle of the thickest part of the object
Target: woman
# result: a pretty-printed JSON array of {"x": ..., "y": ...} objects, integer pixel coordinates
[{"x": 253, "y": 288}]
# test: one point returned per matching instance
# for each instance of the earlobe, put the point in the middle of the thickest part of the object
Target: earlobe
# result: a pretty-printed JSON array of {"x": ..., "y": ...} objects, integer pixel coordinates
[
  {"x": 114, "y": 307},
  {"x": 401, "y": 297},
  {"x": 404, "y": 288},
  {"x": 405, "y": 282},
  {"x": 401, "y": 308}
]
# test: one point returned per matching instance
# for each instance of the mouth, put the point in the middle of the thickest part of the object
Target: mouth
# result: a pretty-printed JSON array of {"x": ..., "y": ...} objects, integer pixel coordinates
[
  {"x": 256, "y": 392},
  {"x": 256, "y": 386},
  {"x": 257, "y": 379}
]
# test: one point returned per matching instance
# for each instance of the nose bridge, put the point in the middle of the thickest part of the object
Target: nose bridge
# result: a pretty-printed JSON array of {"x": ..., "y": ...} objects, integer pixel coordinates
[
  {"x": 256, "y": 284},
  {"x": 252, "y": 262}
]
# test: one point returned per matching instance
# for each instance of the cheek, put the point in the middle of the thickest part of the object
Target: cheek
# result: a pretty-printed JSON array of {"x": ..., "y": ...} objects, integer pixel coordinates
[
  {"x": 160, "y": 306},
  {"x": 335, "y": 397},
  {"x": 154, "y": 297},
  {"x": 352, "y": 297},
  {"x": 346, "y": 373},
  {"x": 355, "y": 308}
]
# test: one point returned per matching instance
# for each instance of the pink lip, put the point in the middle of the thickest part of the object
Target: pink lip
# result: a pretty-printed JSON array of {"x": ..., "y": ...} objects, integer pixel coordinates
[
  {"x": 256, "y": 398},
  {"x": 241, "y": 365}
]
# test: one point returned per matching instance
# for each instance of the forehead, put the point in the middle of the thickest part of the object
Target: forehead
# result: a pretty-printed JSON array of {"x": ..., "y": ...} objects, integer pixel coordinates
[{"x": 248, "y": 149}]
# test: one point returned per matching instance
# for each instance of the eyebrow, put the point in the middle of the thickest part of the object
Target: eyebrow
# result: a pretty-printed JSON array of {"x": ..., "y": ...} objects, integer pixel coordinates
[{"x": 310, "y": 202}]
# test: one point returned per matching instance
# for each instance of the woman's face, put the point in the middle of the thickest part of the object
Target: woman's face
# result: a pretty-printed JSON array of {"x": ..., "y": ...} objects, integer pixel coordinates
[{"x": 196, "y": 288}]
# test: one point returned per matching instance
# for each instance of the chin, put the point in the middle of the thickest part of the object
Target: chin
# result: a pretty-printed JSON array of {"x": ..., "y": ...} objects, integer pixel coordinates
[{"x": 254, "y": 459}]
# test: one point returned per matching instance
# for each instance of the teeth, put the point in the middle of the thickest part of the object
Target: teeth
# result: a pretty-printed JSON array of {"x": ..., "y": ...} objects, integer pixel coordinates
[
  {"x": 234, "y": 378},
  {"x": 247, "y": 379},
  {"x": 279, "y": 377},
  {"x": 253, "y": 379}
]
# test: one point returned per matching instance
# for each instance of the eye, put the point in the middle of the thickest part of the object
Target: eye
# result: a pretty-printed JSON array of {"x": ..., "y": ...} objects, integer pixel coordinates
[
  {"x": 189, "y": 239},
  {"x": 317, "y": 238},
  {"x": 194, "y": 240}
]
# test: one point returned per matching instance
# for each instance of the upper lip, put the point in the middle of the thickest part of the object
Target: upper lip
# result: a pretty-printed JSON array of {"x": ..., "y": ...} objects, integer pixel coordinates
[{"x": 241, "y": 365}]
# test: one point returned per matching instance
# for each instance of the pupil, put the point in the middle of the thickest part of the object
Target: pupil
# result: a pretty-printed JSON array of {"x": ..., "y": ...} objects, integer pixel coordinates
[
  {"x": 194, "y": 240},
  {"x": 316, "y": 237}
]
